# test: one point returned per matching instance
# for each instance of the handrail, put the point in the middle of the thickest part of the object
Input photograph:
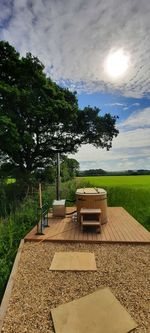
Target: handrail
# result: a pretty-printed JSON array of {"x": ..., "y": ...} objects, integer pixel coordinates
[{"x": 42, "y": 218}]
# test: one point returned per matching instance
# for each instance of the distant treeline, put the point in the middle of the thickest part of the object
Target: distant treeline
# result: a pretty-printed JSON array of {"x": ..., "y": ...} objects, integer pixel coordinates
[{"x": 101, "y": 172}]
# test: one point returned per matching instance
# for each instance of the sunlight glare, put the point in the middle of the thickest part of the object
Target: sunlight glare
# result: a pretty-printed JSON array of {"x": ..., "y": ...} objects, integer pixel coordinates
[{"x": 117, "y": 63}]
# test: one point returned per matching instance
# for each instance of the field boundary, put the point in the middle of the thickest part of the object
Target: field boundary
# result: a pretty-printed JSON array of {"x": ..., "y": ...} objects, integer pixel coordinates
[{"x": 10, "y": 283}]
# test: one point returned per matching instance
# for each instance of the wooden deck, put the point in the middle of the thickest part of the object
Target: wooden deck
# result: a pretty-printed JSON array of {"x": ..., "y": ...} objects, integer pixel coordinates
[{"x": 121, "y": 228}]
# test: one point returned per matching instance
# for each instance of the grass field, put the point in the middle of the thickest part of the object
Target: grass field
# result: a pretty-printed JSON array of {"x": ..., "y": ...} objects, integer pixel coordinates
[
  {"x": 136, "y": 181},
  {"x": 130, "y": 192}
]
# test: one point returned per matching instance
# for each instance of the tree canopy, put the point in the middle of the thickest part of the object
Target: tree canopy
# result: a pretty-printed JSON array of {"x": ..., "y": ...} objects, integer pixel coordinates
[
  {"x": 69, "y": 168},
  {"x": 39, "y": 118}
]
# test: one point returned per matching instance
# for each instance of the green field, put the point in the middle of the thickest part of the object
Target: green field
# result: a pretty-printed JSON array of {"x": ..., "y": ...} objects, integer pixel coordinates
[
  {"x": 130, "y": 192},
  {"x": 100, "y": 181}
]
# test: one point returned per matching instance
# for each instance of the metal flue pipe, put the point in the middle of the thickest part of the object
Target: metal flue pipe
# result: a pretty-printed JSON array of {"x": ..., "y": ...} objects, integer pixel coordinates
[{"x": 58, "y": 178}]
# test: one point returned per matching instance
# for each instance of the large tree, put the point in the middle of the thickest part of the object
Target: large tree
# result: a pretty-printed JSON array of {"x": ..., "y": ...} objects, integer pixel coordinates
[{"x": 38, "y": 118}]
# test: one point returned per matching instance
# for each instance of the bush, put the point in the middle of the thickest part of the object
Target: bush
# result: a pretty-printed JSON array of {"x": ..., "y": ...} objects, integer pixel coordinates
[{"x": 12, "y": 229}]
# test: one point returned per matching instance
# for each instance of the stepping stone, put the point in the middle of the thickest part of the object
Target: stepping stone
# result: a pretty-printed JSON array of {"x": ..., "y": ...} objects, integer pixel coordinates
[
  {"x": 73, "y": 261},
  {"x": 99, "y": 312}
]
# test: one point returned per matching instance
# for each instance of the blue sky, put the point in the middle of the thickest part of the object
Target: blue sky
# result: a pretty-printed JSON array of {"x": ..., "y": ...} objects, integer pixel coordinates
[{"x": 73, "y": 39}]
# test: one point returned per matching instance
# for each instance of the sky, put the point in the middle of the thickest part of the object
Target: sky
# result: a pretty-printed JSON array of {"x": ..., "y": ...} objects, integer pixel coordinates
[{"x": 75, "y": 39}]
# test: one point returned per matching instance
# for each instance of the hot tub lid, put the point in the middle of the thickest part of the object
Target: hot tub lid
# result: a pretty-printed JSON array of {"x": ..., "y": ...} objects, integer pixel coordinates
[{"x": 91, "y": 190}]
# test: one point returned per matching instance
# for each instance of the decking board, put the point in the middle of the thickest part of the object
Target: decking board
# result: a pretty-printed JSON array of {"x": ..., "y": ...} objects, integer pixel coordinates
[{"x": 121, "y": 228}]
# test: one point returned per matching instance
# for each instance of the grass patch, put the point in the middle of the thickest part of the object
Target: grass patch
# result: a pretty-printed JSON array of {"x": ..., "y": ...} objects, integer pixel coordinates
[{"x": 135, "y": 201}]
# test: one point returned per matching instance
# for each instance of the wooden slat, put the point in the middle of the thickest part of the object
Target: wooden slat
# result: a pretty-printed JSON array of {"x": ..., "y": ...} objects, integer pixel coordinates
[
  {"x": 115, "y": 220},
  {"x": 103, "y": 233},
  {"x": 90, "y": 223},
  {"x": 122, "y": 228},
  {"x": 106, "y": 232},
  {"x": 54, "y": 230},
  {"x": 113, "y": 229},
  {"x": 135, "y": 228}
]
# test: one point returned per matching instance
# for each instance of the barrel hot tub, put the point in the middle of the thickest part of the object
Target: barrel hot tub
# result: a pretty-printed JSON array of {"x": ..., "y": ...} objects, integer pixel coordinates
[{"x": 92, "y": 198}]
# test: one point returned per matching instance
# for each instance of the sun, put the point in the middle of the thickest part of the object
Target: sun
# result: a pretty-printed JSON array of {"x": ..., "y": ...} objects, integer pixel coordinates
[{"x": 117, "y": 63}]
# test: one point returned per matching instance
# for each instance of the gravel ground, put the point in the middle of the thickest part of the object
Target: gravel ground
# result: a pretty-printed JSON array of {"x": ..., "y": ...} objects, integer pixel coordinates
[{"x": 124, "y": 268}]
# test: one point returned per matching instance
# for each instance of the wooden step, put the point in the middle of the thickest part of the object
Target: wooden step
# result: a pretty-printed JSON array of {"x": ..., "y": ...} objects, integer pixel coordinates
[{"x": 91, "y": 223}]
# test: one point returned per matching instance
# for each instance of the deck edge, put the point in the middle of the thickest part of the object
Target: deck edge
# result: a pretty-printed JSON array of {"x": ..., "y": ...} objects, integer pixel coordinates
[
  {"x": 9, "y": 286},
  {"x": 101, "y": 242}
]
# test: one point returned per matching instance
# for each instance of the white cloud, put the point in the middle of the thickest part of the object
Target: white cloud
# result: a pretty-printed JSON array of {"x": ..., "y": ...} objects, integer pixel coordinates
[
  {"x": 76, "y": 37},
  {"x": 135, "y": 104},
  {"x": 131, "y": 148},
  {"x": 138, "y": 119},
  {"x": 5, "y": 11},
  {"x": 115, "y": 104},
  {"x": 73, "y": 38},
  {"x": 131, "y": 106}
]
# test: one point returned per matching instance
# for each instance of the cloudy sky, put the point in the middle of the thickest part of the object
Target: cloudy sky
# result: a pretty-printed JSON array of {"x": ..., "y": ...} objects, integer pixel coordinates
[{"x": 101, "y": 49}]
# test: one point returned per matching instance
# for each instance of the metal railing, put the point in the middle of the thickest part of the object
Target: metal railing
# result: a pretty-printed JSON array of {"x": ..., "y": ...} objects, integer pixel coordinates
[{"x": 42, "y": 218}]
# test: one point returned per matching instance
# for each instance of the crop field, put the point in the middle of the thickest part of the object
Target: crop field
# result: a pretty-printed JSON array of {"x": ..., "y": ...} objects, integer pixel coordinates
[
  {"x": 130, "y": 192},
  {"x": 100, "y": 181}
]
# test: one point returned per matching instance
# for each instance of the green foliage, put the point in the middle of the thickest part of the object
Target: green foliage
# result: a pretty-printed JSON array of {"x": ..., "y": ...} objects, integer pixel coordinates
[
  {"x": 101, "y": 172},
  {"x": 45, "y": 174},
  {"x": 12, "y": 229},
  {"x": 38, "y": 118},
  {"x": 10, "y": 195},
  {"x": 69, "y": 168},
  {"x": 92, "y": 172},
  {"x": 10, "y": 181}
]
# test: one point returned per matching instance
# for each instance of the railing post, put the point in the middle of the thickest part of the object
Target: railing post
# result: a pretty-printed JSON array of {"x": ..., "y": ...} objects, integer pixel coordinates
[
  {"x": 38, "y": 231},
  {"x": 42, "y": 218},
  {"x": 41, "y": 221}
]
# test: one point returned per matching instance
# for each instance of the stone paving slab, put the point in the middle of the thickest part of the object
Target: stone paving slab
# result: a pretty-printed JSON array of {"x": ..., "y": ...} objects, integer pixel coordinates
[
  {"x": 73, "y": 261},
  {"x": 99, "y": 312}
]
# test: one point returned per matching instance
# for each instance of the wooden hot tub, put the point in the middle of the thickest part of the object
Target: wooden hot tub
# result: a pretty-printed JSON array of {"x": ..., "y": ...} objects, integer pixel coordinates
[{"x": 92, "y": 198}]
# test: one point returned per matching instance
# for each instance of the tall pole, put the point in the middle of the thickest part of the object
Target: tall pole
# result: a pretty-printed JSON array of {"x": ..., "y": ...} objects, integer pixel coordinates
[
  {"x": 40, "y": 195},
  {"x": 58, "y": 178},
  {"x": 39, "y": 225}
]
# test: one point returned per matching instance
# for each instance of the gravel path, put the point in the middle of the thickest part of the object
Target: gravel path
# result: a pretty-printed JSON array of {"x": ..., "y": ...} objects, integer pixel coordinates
[{"x": 124, "y": 268}]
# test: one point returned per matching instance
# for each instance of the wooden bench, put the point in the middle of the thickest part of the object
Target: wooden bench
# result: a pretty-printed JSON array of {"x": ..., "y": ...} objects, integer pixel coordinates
[{"x": 91, "y": 217}]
